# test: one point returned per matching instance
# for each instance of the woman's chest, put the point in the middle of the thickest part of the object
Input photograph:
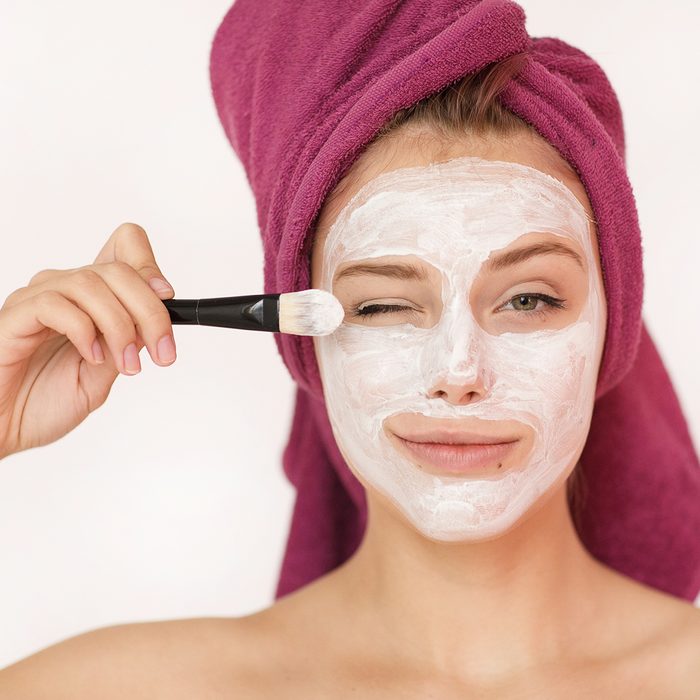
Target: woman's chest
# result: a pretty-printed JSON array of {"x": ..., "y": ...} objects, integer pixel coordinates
[
  {"x": 314, "y": 679},
  {"x": 299, "y": 666}
]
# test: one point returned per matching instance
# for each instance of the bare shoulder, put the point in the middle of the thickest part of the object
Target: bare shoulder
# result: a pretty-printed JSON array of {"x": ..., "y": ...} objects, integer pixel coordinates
[
  {"x": 183, "y": 658},
  {"x": 673, "y": 650},
  {"x": 684, "y": 643}
]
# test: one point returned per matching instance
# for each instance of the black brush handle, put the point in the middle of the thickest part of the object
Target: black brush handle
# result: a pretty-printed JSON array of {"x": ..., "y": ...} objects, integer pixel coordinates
[{"x": 254, "y": 312}]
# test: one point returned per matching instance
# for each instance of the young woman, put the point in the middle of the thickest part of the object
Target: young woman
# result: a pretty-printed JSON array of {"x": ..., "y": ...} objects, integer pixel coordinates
[{"x": 461, "y": 390}]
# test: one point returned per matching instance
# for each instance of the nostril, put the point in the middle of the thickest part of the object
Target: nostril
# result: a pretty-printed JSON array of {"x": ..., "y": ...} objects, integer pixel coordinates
[
  {"x": 457, "y": 395},
  {"x": 437, "y": 394}
]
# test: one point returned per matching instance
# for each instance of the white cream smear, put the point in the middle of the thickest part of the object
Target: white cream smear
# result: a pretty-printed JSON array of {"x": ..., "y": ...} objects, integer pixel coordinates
[{"x": 454, "y": 215}]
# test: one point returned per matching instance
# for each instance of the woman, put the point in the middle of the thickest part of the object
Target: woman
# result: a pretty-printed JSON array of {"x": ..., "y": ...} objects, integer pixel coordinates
[{"x": 446, "y": 339}]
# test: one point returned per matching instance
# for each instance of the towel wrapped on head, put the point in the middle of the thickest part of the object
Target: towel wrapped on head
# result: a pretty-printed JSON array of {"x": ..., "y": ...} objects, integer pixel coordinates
[{"x": 301, "y": 89}]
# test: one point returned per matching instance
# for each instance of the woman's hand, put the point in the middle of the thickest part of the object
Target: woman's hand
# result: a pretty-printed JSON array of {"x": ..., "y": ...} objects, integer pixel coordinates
[{"x": 66, "y": 336}]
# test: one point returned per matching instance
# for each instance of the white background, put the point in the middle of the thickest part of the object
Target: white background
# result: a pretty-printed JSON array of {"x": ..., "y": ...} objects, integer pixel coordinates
[{"x": 170, "y": 501}]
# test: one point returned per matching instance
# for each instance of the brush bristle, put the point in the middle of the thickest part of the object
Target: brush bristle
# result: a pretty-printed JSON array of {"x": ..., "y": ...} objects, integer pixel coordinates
[{"x": 310, "y": 312}]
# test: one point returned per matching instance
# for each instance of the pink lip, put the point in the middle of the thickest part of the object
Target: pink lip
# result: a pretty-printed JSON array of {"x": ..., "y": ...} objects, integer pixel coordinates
[{"x": 457, "y": 458}]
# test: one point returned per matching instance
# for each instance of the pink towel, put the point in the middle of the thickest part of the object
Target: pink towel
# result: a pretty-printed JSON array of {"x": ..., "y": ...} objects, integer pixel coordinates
[{"x": 301, "y": 88}]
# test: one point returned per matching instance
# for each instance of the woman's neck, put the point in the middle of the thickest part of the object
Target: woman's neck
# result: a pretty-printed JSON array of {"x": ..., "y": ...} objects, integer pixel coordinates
[{"x": 494, "y": 608}]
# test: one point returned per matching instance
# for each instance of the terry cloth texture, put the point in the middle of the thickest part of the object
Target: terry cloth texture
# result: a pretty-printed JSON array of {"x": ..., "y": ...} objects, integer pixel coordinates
[{"x": 300, "y": 89}]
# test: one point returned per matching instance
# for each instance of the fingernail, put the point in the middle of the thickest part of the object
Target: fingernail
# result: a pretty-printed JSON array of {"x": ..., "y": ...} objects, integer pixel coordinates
[
  {"x": 166, "y": 349},
  {"x": 97, "y": 351},
  {"x": 132, "y": 363},
  {"x": 159, "y": 286}
]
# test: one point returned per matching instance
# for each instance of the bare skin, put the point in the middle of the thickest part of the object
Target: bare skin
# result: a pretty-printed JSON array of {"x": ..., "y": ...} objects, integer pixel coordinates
[
  {"x": 527, "y": 614},
  {"x": 530, "y": 614}
]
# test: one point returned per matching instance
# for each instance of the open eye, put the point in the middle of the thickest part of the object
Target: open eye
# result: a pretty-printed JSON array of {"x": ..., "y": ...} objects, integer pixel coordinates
[{"x": 550, "y": 304}]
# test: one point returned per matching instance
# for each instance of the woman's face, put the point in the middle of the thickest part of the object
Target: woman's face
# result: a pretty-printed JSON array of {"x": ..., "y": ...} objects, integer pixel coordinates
[{"x": 474, "y": 313}]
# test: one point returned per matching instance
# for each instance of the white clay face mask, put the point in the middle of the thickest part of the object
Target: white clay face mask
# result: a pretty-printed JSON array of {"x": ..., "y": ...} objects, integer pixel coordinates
[{"x": 534, "y": 381}]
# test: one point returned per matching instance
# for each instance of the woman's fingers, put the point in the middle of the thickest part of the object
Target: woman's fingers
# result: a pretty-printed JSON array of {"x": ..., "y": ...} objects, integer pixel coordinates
[
  {"x": 117, "y": 294},
  {"x": 121, "y": 305},
  {"x": 125, "y": 309},
  {"x": 149, "y": 316},
  {"x": 129, "y": 244},
  {"x": 48, "y": 310},
  {"x": 66, "y": 335}
]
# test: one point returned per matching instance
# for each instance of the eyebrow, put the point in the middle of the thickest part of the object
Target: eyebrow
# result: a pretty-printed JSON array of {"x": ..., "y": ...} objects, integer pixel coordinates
[
  {"x": 402, "y": 271},
  {"x": 513, "y": 257},
  {"x": 408, "y": 271}
]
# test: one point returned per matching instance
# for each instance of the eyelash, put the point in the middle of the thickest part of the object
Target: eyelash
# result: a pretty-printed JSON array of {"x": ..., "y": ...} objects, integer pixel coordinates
[
  {"x": 552, "y": 303},
  {"x": 373, "y": 309}
]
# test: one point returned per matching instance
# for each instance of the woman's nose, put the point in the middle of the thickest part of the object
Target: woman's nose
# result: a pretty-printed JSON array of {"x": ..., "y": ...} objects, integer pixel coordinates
[
  {"x": 458, "y": 392},
  {"x": 460, "y": 355}
]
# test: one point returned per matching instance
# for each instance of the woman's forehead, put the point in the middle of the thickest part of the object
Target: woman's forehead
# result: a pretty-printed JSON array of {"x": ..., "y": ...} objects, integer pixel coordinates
[
  {"x": 539, "y": 157},
  {"x": 416, "y": 147},
  {"x": 462, "y": 205}
]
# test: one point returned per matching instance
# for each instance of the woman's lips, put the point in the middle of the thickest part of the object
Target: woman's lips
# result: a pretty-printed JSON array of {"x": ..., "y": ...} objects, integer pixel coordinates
[{"x": 457, "y": 459}]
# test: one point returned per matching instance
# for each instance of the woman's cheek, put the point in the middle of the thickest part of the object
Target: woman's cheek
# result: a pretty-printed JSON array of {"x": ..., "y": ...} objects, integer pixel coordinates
[
  {"x": 374, "y": 364},
  {"x": 544, "y": 366}
]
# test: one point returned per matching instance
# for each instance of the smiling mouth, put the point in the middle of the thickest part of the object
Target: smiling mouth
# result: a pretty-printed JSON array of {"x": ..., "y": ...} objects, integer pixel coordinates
[{"x": 453, "y": 459}]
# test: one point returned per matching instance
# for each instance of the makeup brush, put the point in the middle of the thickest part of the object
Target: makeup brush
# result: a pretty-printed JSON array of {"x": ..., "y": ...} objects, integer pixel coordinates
[{"x": 308, "y": 312}]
